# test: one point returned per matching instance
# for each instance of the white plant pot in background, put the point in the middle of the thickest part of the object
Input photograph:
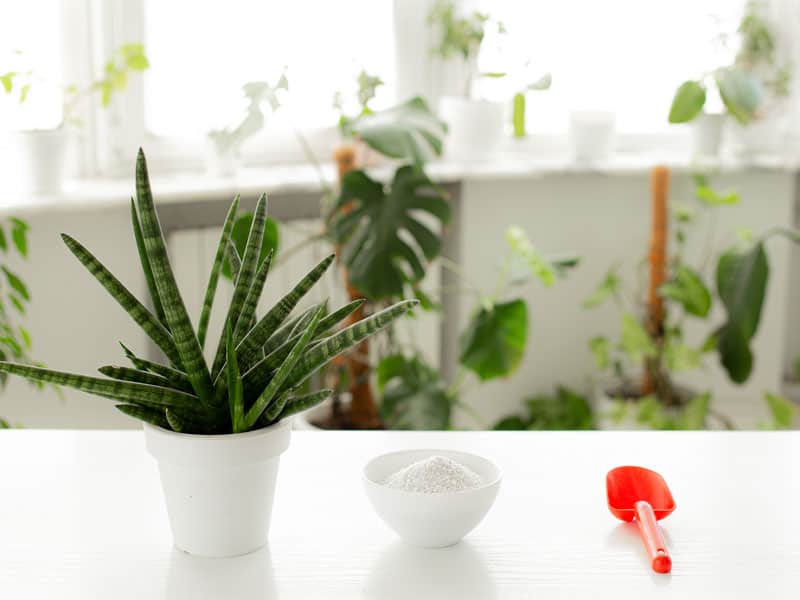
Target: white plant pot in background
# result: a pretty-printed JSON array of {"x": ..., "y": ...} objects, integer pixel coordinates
[
  {"x": 475, "y": 128},
  {"x": 41, "y": 156},
  {"x": 591, "y": 134},
  {"x": 219, "y": 162},
  {"x": 219, "y": 488},
  {"x": 707, "y": 135}
]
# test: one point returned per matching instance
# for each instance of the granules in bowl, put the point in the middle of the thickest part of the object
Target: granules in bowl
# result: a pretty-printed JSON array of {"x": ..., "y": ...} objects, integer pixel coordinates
[{"x": 434, "y": 475}]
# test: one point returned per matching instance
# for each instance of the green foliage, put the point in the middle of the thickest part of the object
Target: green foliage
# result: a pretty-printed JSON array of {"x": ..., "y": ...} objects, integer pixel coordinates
[
  {"x": 376, "y": 227},
  {"x": 741, "y": 92},
  {"x": 608, "y": 288},
  {"x": 241, "y": 228},
  {"x": 742, "y": 276},
  {"x": 782, "y": 411},
  {"x": 494, "y": 342},
  {"x": 408, "y": 131},
  {"x": 539, "y": 267},
  {"x": 367, "y": 87},
  {"x": 182, "y": 396},
  {"x": 601, "y": 350},
  {"x": 413, "y": 394},
  {"x": 687, "y": 289},
  {"x": 127, "y": 58},
  {"x": 650, "y": 412},
  {"x": 688, "y": 102},
  {"x": 635, "y": 341},
  {"x": 709, "y": 196},
  {"x": 565, "y": 410},
  {"x": 459, "y": 35}
]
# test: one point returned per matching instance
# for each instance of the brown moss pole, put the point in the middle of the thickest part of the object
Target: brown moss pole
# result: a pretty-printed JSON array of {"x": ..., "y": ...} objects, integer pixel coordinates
[
  {"x": 363, "y": 408},
  {"x": 657, "y": 259}
]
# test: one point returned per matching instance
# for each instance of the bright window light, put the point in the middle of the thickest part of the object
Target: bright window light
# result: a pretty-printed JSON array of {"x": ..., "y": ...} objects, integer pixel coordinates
[
  {"x": 31, "y": 44},
  {"x": 202, "y": 52},
  {"x": 624, "y": 55}
]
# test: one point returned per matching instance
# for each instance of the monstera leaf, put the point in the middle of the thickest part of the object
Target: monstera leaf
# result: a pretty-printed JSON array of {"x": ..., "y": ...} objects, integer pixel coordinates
[
  {"x": 742, "y": 277},
  {"x": 494, "y": 341},
  {"x": 383, "y": 243},
  {"x": 408, "y": 131},
  {"x": 414, "y": 396}
]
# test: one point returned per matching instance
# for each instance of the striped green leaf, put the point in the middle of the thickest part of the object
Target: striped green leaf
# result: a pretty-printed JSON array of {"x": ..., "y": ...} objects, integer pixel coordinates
[
  {"x": 327, "y": 323},
  {"x": 213, "y": 278},
  {"x": 135, "y": 375},
  {"x": 177, "y": 379},
  {"x": 148, "y": 272},
  {"x": 244, "y": 281},
  {"x": 276, "y": 407},
  {"x": 235, "y": 390},
  {"x": 143, "y": 317},
  {"x": 191, "y": 354},
  {"x": 263, "y": 401},
  {"x": 149, "y": 396},
  {"x": 148, "y": 415},
  {"x": 248, "y": 312},
  {"x": 249, "y": 348},
  {"x": 235, "y": 261},
  {"x": 327, "y": 349},
  {"x": 175, "y": 422},
  {"x": 301, "y": 403}
]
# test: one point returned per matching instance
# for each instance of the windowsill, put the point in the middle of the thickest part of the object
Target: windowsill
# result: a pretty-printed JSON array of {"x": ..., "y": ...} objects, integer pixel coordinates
[{"x": 109, "y": 193}]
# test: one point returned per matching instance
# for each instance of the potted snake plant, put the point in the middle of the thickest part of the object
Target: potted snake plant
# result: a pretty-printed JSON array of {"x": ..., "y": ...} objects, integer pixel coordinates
[{"x": 216, "y": 431}]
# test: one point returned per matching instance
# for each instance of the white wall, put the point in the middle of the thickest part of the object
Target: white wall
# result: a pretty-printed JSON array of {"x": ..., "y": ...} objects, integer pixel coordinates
[{"x": 75, "y": 324}]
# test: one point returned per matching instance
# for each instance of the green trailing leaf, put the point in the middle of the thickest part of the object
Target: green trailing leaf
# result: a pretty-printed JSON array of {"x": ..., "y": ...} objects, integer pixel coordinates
[
  {"x": 19, "y": 235},
  {"x": 741, "y": 92},
  {"x": 695, "y": 412},
  {"x": 235, "y": 388},
  {"x": 413, "y": 394},
  {"x": 135, "y": 375},
  {"x": 136, "y": 393},
  {"x": 601, "y": 350},
  {"x": 688, "y": 102},
  {"x": 327, "y": 349},
  {"x": 16, "y": 283},
  {"x": 408, "y": 131},
  {"x": 148, "y": 272},
  {"x": 213, "y": 278},
  {"x": 248, "y": 310},
  {"x": 384, "y": 245},
  {"x": 143, "y": 317},
  {"x": 565, "y": 410},
  {"x": 281, "y": 375},
  {"x": 781, "y": 410},
  {"x": 239, "y": 235},
  {"x": 244, "y": 281},
  {"x": 742, "y": 276},
  {"x": 707, "y": 195},
  {"x": 249, "y": 348},
  {"x": 148, "y": 415},
  {"x": 494, "y": 342},
  {"x": 177, "y": 379},
  {"x": 305, "y": 402},
  {"x": 636, "y": 342},
  {"x": 681, "y": 357},
  {"x": 608, "y": 288},
  {"x": 521, "y": 246},
  {"x": 687, "y": 288},
  {"x": 191, "y": 355}
]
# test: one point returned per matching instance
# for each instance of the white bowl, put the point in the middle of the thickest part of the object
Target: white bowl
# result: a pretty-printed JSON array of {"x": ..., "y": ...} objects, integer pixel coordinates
[{"x": 430, "y": 520}]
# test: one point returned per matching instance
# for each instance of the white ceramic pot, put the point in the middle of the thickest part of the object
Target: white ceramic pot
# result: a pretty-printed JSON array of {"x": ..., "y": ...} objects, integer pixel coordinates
[
  {"x": 707, "y": 134},
  {"x": 591, "y": 134},
  {"x": 475, "y": 128},
  {"x": 41, "y": 158},
  {"x": 219, "y": 488},
  {"x": 220, "y": 162}
]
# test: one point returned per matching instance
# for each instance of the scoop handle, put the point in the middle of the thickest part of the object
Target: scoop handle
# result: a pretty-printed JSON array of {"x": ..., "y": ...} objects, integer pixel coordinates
[{"x": 652, "y": 537}]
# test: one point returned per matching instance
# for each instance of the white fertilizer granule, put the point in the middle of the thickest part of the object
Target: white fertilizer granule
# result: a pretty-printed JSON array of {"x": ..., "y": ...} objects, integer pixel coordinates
[{"x": 432, "y": 475}]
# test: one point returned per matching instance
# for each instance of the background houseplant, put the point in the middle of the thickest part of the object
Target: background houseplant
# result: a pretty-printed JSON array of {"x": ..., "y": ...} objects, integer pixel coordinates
[
  {"x": 43, "y": 151},
  {"x": 750, "y": 89},
  {"x": 218, "y": 487}
]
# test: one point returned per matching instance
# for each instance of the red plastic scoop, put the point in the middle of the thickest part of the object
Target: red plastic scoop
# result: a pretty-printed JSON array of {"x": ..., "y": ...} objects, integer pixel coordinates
[{"x": 636, "y": 493}]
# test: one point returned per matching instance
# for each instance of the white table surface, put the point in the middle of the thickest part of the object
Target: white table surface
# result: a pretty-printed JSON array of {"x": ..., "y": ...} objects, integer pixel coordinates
[{"x": 82, "y": 517}]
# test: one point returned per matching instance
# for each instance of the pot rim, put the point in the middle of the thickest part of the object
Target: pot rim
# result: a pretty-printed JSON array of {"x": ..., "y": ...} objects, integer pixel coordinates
[{"x": 219, "y": 436}]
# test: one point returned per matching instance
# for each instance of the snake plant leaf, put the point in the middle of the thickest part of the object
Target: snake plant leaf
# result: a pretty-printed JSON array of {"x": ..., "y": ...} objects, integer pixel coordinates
[
  {"x": 175, "y": 422},
  {"x": 263, "y": 401},
  {"x": 143, "y": 317},
  {"x": 135, "y": 375},
  {"x": 248, "y": 312},
  {"x": 276, "y": 408},
  {"x": 191, "y": 355},
  {"x": 326, "y": 324},
  {"x": 235, "y": 388},
  {"x": 213, "y": 278},
  {"x": 135, "y": 393},
  {"x": 304, "y": 402},
  {"x": 384, "y": 245},
  {"x": 148, "y": 415},
  {"x": 742, "y": 276},
  {"x": 244, "y": 281},
  {"x": 413, "y": 394},
  {"x": 407, "y": 131},
  {"x": 249, "y": 349},
  {"x": 233, "y": 261},
  {"x": 494, "y": 342},
  {"x": 148, "y": 272},
  {"x": 177, "y": 379},
  {"x": 240, "y": 233},
  {"x": 325, "y": 350}
]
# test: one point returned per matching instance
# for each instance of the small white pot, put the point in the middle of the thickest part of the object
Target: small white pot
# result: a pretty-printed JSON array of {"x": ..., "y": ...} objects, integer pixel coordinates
[
  {"x": 707, "y": 134},
  {"x": 219, "y": 488},
  {"x": 42, "y": 156},
  {"x": 591, "y": 134},
  {"x": 220, "y": 162},
  {"x": 475, "y": 128}
]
